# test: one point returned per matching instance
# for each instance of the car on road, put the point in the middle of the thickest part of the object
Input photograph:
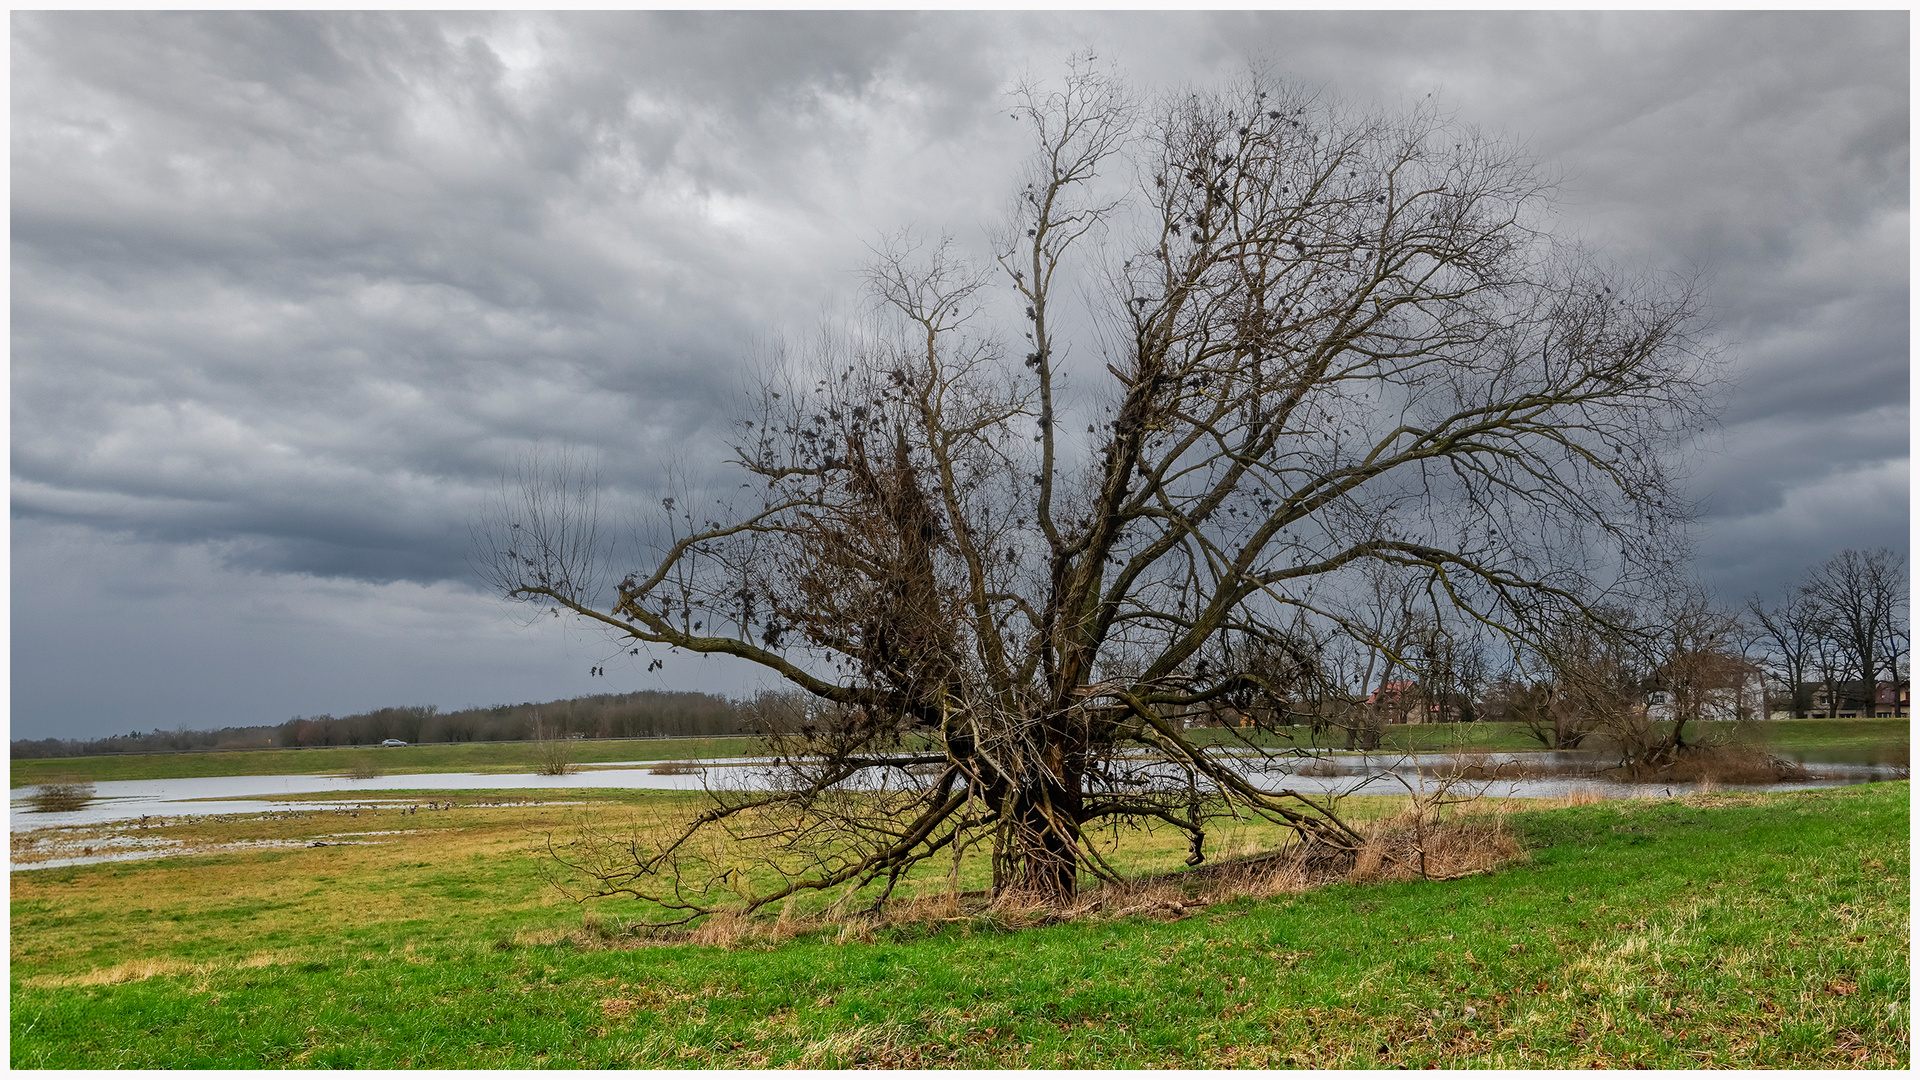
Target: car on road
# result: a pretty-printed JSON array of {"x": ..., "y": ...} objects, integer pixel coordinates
[{"x": 393, "y": 742}]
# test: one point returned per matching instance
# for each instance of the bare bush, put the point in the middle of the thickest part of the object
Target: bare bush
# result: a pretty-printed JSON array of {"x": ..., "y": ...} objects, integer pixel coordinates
[
  {"x": 1729, "y": 764},
  {"x": 556, "y": 748}
]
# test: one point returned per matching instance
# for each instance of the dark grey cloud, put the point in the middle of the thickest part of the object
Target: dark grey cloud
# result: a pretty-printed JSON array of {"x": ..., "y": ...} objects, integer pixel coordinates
[{"x": 291, "y": 290}]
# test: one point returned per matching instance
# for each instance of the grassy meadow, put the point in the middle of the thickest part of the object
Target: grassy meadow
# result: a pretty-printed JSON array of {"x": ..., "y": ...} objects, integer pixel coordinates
[
  {"x": 478, "y": 757},
  {"x": 1716, "y": 930}
]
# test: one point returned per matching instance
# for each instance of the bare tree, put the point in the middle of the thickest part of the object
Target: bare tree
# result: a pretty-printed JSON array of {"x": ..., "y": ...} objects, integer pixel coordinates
[
  {"x": 1400, "y": 659},
  {"x": 1788, "y": 636},
  {"x": 1639, "y": 679},
  {"x": 1583, "y": 674},
  {"x": 1324, "y": 340},
  {"x": 1378, "y": 630},
  {"x": 1829, "y": 663},
  {"x": 1861, "y": 597},
  {"x": 1697, "y": 662},
  {"x": 1461, "y": 674}
]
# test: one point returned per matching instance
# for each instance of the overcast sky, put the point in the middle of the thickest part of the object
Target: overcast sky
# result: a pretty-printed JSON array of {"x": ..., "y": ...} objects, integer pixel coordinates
[{"x": 291, "y": 291}]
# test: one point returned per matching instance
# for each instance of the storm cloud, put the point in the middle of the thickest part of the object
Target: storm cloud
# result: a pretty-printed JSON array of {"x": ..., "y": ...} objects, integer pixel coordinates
[{"x": 290, "y": 292}]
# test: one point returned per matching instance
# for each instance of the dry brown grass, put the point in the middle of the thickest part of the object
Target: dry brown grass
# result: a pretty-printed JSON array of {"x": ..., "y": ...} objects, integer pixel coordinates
[
  {"x": 867, "y": 1046},
  {"x": 130, "y": 971},
  {"x": 152, "y": 967},
  {"x": 1399, "y": 848},
  {"x": 1732, "y": 765},
  {"x": 1403, "y": 849}
]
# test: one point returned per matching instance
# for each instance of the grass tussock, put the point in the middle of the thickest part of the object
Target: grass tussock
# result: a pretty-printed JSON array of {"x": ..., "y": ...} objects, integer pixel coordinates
[
  {"x": 1402, "y": 849},
  {"x": 676, "y": 768},
  {"x": 153, "y": 967}
]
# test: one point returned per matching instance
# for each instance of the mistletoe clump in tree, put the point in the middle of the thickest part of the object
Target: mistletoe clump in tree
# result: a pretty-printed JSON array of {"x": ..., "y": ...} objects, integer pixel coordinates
[{"x": 1324, "y": 346}]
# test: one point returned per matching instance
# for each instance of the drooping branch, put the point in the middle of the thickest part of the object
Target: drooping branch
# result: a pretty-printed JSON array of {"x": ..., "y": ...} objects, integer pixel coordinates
[{"x": 1360, "y": 415}]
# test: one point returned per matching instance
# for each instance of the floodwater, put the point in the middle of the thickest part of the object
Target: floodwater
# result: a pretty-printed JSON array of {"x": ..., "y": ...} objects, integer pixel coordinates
[
  {"x": 122, "y": 800},
  {"x": 139, "y": 801},
  {"x": 1397, "y": 774}
]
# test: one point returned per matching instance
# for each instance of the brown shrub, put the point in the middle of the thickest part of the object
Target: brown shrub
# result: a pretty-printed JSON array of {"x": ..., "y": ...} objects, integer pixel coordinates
[
  {"x": 61, "y": 794},
  {"x": 1733, "y": 765}
]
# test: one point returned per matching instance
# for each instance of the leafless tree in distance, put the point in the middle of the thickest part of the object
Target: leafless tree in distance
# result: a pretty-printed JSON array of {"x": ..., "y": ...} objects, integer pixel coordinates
[
  {"x": 1787, "y": 635},
  {"x": 1695, "y": 657},
  {"x": 1862, "y": 598},
  {"x": 1323, "y": 340},
  {"x": 1580, "y": 674}
]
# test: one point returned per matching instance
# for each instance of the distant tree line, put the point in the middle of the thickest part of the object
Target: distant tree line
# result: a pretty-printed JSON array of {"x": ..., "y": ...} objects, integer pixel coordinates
[
  {"x": 641, "y": 714},
  {"x": 150, "y": 742}
]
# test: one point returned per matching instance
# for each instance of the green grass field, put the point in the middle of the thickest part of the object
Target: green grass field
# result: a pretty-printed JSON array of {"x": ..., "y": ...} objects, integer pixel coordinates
[
  {"x": 1869, "y": 742},
  {"x": 1718, "y": 930},
  {"x": 439, "y": 757}
]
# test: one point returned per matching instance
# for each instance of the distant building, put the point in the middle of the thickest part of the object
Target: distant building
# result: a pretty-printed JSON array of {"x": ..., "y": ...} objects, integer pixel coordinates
[
  {"x": 1729, "y": 691},
  {"x": 1407, "y": 702},
  {"x": 1846, "y": 700}
]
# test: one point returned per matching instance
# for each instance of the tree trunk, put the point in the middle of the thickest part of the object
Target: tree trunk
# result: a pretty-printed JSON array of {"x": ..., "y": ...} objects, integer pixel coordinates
[
  {"x": 1038, "y": 853},
  {"x": 1047, "y": 860}
]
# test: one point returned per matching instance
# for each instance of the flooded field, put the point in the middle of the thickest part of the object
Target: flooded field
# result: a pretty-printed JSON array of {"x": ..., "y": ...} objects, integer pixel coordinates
[
  {"x": 109, "y": 827},
  {"x": 1540, "y": 775},
  {"x": 119, "y": 800}
]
